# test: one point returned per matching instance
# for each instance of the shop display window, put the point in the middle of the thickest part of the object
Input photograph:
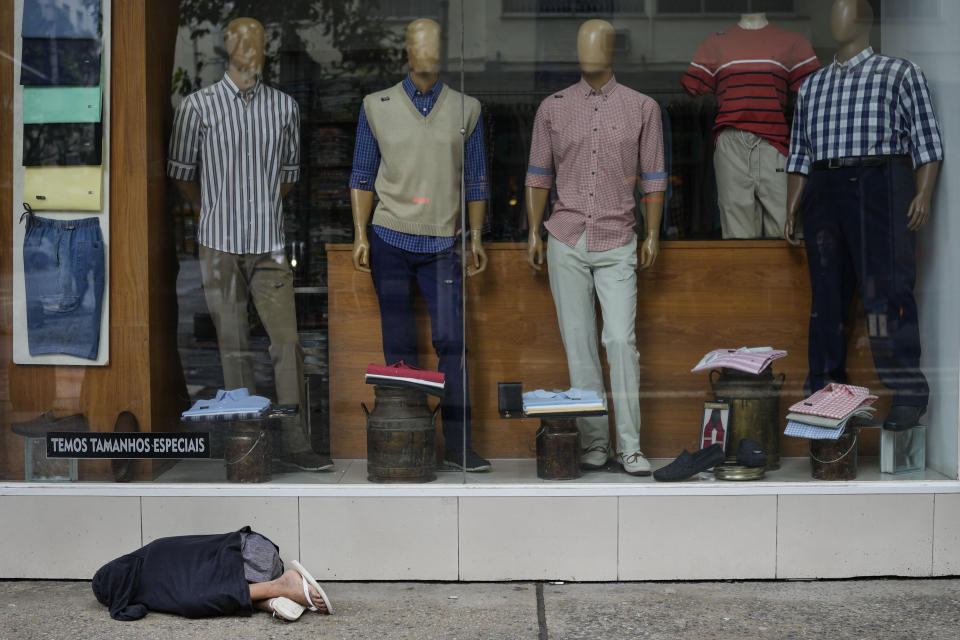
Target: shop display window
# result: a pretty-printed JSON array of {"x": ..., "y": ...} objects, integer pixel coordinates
[{"x": 500, "y": 241}]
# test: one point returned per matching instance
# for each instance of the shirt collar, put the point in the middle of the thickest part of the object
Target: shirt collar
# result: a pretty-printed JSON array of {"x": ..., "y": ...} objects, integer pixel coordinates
[
  {"x": 852, "y": 62},
  {"x": 411, "y": 89},
  {"x": 586, "y": 90},
  {"x": 234, "y": 90}
]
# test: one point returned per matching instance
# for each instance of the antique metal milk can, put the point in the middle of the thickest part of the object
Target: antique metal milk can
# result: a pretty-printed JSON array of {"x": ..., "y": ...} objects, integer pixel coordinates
[{"x": 400, "y": 436}]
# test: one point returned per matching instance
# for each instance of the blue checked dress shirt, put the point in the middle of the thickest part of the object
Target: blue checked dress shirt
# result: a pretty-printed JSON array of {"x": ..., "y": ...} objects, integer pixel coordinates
[
  {"x": 869, "y": 105},
  {"x": 366, "y": 162}
]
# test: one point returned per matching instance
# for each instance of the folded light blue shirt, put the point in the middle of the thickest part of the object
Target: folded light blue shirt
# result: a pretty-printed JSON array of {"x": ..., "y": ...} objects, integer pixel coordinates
[{"x": 236, "y": 402}]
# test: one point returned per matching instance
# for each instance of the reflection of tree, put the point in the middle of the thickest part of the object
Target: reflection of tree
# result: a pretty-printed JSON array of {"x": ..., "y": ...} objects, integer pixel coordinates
[{"x": 368, "y": 47}]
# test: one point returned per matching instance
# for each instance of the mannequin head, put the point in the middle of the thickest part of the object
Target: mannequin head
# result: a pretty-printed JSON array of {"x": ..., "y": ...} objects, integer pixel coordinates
[
  {"x": 423, "y": 46},
  {"x": 850, "y": 22},
  {"x": 245, "y": 40},
  {"x": 595, "y": 41}
]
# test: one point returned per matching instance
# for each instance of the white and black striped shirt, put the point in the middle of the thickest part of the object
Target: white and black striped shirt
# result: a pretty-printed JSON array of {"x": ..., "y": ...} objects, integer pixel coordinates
[{"x": 244, "y": 149}]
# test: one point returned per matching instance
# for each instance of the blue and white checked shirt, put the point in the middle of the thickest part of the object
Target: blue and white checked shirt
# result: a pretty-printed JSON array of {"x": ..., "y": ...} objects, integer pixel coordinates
[
  {"x": 867, "y": 106},
  {"x": 366, "y": 163}
]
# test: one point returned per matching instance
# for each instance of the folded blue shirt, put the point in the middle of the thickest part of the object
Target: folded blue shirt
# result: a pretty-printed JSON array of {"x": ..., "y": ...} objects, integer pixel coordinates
[{"x": 234, "y": 403}]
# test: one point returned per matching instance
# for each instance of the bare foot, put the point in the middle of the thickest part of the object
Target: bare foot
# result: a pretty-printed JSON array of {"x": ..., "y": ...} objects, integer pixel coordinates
[{"x": 291, "y": 585}]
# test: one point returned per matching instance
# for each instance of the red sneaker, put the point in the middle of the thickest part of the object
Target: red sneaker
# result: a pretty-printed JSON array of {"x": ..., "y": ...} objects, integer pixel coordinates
[{"x": 404, "y": 375}]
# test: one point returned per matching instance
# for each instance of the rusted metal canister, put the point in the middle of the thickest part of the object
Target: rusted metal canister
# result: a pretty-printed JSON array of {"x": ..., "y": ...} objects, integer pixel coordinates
[
  {"x": 400, "y": 436},
  {"x": 246, "y": 451},
  {"x": 835, "y": 459},
  {"x": 558, "y": 449},
  {"x": 754, "y": 401}
]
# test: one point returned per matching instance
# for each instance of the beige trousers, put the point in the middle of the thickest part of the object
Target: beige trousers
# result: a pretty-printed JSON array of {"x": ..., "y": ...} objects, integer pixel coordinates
[
  {"x": 576, "y": 276},
  {"x": 229, "y": 281},
  {"x": 751, "y": 185}
]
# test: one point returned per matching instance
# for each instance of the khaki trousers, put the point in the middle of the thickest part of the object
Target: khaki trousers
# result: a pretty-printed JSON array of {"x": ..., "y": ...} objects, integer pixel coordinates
[
  {"x": 576, "y": 275},
  {"x": 229, "y": 280},
  {"x": 751, "y": 185}
]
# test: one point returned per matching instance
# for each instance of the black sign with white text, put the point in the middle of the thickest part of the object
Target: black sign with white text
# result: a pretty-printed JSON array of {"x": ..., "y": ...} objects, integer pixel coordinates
[{"x": 72, "y": 444}]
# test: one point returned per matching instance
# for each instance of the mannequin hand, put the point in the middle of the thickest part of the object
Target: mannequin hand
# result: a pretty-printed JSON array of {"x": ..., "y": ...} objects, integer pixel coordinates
[
  {"x": 361, "y": 255},
  {"x": 789, "y": 229},
  {"x": 479, "y": 257},
  {"x": 919, "y": 212},
  {"x": 650, "y": 251},
  {"x": 535, "y": 256}
]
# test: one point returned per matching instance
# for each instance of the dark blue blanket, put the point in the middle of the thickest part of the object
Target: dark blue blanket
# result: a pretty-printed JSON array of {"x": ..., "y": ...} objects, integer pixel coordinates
[{"x": 193, "y": 576}]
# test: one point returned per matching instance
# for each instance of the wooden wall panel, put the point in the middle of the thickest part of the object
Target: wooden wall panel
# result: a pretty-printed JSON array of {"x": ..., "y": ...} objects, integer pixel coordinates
[
  {"x": 143, "y": 33},
  {"x": 699, "y": 296}
]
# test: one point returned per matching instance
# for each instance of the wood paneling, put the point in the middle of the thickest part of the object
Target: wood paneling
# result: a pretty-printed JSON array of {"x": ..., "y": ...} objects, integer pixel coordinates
[
  {"x": 699, "y": 296},
  {"x": 139, "y": 377}
]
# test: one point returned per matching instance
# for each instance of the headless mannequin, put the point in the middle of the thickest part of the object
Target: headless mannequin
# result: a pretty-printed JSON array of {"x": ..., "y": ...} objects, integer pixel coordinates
[
  {"x": 423, "y": 53},
  {"x": 246, "y": 43},
  {"x": 753, "y": 21},
  {"x": 850, "y": 22},
  {"x": 595, "y": 51}
]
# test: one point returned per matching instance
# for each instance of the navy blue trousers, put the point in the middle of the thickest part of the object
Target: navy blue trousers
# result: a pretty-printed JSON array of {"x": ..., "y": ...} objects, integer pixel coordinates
[
  {"x": 397, "y": 274},
  {"x": 855, "y": 225}
]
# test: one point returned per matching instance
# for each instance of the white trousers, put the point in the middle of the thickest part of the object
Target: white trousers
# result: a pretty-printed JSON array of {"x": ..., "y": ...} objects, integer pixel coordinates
[
  {"x": 575, "y": 276},
  {"x": 751, "y": 185}
]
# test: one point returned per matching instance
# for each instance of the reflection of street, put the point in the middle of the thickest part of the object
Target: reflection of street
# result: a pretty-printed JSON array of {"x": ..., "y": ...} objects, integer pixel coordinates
[{"x": 200, "y": 357}]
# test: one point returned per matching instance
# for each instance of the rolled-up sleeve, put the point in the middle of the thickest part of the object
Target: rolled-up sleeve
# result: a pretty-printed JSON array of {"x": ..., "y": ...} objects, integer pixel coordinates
[
  {"x": 475, "y": 165},
  {"x": 916, "y": 112},
  {"x": 366, "y": 156},
  {"x": 540, "y": 169},
  {"x": 184, "y": 152},
  {"x": 798, "y": 160},
  {"x": 290, "y": 161},
  {"x": 653, "y": 175}
]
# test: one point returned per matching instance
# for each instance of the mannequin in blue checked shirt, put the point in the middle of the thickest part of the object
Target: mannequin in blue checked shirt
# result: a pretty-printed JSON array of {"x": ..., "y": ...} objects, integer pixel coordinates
[
  {"x": 412, "y": 242},
  {"x": 863, "y": 194}
]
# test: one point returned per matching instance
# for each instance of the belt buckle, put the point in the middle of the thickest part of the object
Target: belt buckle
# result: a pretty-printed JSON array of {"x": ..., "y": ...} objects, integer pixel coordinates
[{"x": 833, "y": 163}]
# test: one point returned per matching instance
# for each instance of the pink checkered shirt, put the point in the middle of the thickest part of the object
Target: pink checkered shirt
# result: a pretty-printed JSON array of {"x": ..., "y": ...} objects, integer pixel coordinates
[
  {"x": 593, "y": 142},
  {"x": 834, "y": 401}
]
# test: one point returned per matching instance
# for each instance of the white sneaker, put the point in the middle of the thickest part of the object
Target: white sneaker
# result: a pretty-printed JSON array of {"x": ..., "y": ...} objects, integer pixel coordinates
[
  {"x": 634, "y": 463},
  {"x": 594, "y": 457}
]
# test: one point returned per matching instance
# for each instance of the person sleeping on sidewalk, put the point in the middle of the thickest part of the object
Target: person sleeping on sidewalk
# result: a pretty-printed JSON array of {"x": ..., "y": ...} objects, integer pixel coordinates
[{"x": 199, "y": 576}]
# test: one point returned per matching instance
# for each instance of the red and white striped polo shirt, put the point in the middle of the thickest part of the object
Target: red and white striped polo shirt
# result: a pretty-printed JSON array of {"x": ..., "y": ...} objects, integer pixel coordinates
[{"x": 750, "y": 71}]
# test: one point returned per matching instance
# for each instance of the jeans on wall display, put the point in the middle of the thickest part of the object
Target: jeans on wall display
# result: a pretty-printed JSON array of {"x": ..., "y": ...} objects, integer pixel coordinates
[
  {"x": 60, "y": 61},
  {"x": 64, "y": 144},
  {"x": 63, "y": 269}
]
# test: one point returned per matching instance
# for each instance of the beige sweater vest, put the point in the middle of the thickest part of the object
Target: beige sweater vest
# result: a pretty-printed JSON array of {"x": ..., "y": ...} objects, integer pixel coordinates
[{"x": 421, "y": 159}]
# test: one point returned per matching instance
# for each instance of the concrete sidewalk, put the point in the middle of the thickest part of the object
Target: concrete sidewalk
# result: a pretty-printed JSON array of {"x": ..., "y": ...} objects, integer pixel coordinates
[{"x": 928, "y": 609}]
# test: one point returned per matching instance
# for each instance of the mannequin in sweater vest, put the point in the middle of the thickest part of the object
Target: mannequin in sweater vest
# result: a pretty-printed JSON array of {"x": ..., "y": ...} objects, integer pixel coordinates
[
  {"x": 414, "y": 141},
  {"x": 592, "y": 140}
]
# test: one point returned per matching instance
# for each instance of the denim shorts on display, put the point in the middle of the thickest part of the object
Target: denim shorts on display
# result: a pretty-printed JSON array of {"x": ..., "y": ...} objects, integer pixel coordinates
[{"x": 63, "y": 272}]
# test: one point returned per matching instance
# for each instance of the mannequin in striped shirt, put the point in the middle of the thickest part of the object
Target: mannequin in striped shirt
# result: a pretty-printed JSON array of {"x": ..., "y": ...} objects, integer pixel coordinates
[{"x": 234, "y": 154}]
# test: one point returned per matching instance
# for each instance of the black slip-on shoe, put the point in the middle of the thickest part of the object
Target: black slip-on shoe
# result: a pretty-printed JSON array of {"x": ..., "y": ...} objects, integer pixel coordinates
[
  {"x": 903, "y": 417},
  {"x": 307, "y": 461},
  {"x": 689, "y": 464},
  {"x": 750, "y": 453}
]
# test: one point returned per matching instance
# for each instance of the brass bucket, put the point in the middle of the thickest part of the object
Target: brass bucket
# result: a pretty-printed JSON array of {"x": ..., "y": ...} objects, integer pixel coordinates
[
  {"x": 835, "y": 459},
  {"x": 558, "y": 449},
  {"x": 246, "y": 451},
  {"x": 754, "y": 408},
  {"x": 400, "y": 436}
]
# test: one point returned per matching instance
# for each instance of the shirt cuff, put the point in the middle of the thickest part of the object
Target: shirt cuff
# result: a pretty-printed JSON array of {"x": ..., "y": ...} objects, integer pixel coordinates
[
  {"x": 180, "y": 171},
  {"x": 476, "y": 189},
  {"x": 361, "y": 180},
  {"x": 923, "y": 156},
  {"x": 798, "y": 164},
  {"x": 289, "y": 173},
  {"x": 538, "y": 177}
]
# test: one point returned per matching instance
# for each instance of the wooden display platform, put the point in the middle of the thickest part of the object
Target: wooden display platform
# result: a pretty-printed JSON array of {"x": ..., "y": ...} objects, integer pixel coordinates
[{"x": 698, "y": 296}]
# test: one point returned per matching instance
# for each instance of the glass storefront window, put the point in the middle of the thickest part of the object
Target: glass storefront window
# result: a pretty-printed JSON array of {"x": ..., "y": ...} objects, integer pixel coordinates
[{"x": 332, "y": 189}]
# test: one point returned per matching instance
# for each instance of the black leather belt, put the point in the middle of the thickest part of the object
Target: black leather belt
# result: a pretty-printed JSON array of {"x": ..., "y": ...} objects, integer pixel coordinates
[{"x": 858, "y": 161}]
